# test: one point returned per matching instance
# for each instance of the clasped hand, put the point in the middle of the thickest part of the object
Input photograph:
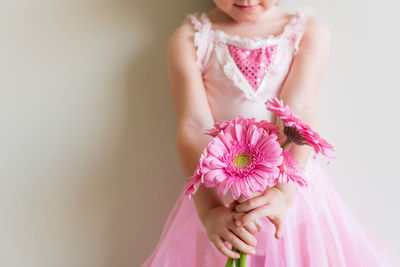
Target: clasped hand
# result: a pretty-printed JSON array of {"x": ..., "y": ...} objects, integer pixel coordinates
[
  {"x": 273, "y": 204},
  {"x": 236, "y": 224}
]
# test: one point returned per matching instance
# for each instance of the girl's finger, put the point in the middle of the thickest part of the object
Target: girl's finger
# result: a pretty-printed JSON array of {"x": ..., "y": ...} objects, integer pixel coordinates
[
  {"x": 251, "y": 227},
  {"x": 252, "y": 203},
  {"x": 258, "y": 227},
  {"x": 278, "y": 227},
  {"x": 260, "y": 212},
  {"x": 232, "y": 205},
  {"x": 237, "y": 242},
  {"x": 244, "y": 235},
  {"x": 242, "y": 199},
  {"x": 237, "y": 215},
  {"x": 222, "y": 247}
]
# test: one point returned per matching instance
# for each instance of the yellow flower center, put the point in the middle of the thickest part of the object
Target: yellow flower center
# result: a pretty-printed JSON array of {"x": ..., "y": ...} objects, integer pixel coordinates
[{"x": 242, "y": 161}]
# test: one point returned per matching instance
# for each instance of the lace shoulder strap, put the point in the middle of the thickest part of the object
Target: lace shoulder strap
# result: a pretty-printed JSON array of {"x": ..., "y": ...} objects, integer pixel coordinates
[
  {"x": 297, "y": 25},
  {"x": 202, "y": 26}
]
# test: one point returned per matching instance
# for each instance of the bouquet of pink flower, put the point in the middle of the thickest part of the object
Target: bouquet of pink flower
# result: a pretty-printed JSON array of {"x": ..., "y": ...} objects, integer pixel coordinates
[{"x": 246, "y": 157}]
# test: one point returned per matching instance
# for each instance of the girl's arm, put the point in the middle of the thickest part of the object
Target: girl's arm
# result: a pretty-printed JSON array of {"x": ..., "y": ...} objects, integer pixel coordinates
[
  {"x": 192, "y": 108},
  {"x": 300, "y": 92},
  {"x": 194, "y": 116},
  {"x": 301, "y": 88}
]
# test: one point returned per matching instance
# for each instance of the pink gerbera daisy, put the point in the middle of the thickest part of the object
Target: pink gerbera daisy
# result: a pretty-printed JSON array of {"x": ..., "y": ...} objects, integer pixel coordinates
[
  {"x": 243, "y": 156},
  {"x": 196, "y": 179},
  {"x": 218, "y": 126},
  {"x": 290, "y": 171},
  {"x": 297, "y": 131}
]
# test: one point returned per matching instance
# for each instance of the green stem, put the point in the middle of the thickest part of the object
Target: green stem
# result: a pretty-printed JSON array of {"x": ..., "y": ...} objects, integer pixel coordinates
[
  {"x": 243, "y": 259},
  {"x": 237, "y": 261},
  {"x": 241, "y": 262},
  {"x": 229, "y": 262},
  {"x": 286, "y": 144}
]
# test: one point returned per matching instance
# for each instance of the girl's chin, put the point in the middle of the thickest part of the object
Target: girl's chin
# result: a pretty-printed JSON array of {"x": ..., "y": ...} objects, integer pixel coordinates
[
  {"x": 246, "y": 16},
  {"x": 246, "y": 8}
]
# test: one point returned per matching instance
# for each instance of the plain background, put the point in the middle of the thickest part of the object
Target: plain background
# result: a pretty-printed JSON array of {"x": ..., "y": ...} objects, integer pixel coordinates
[{"x": 88, "y": 166}]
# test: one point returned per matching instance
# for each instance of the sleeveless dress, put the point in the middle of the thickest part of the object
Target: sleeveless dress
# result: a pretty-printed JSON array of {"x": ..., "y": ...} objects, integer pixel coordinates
[{"x": 239, "y": 75}]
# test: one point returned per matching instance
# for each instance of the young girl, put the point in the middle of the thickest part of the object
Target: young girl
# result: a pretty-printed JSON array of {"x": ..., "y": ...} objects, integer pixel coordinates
[{"x": 226, "y": 63}]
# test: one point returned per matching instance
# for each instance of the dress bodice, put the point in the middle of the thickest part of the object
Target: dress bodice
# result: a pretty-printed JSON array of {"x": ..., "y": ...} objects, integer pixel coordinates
[{"x": 240, "y": 74}]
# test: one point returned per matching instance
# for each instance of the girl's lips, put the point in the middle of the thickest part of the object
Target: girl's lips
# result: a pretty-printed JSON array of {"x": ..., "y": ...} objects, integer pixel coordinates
[{"x": 246, "y": 8}]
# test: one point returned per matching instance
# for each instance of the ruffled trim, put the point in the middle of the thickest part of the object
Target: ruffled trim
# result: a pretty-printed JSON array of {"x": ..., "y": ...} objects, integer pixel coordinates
[
  {"x": 298, "y": 25},
  {"x": 230, "y": 70},
  {"x": 246, "y": 43},
  {"x": 201, "y": 38}
]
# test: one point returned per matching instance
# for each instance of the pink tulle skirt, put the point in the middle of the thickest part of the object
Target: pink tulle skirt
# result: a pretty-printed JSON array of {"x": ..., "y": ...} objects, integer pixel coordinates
[{"x": 319, "y": 231}]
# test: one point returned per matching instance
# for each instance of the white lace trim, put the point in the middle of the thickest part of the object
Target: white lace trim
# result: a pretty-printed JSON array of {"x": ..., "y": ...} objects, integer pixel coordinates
[
  {"x": 299, "y": 25},
  {"x": 201, "y": 35},
  {"x": 246, "y": 43}
]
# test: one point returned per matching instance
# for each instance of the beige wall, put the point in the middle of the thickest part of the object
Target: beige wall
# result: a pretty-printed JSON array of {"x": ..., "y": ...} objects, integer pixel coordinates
[{"x": 87, "y": 125}]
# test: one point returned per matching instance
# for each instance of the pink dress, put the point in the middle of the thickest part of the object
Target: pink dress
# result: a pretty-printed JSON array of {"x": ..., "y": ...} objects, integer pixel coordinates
[{"x": 239, "y": 75}]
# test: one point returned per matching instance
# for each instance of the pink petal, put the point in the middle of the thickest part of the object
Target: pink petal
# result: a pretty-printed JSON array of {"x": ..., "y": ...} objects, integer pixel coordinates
[
  {"x": 224, "y": 139},
  {"x": 211, "y": 175},
  {"x": 249, "y": 133},
  {"x": 224, "y": 186},
  {"x": 239, "y": 132},
  {"x": 214, "y": 162},
  {"x": 235, "y": 188},
  {"x": 257, "y": 135},
  {"x": 216, "y": 148},
  {"x": 192, "y": 186}
]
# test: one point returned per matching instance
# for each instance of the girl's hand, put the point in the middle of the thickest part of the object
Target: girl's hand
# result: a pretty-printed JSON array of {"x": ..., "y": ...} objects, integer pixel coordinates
[
  {"x": 220, "y": 227},
  {"x": 273, "y": 204}
]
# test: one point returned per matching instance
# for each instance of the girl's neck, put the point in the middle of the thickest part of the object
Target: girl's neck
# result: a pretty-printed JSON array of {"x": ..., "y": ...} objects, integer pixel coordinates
[
  {"x": 272, "y": 22},
  {"x": 274, "y": 13}
]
